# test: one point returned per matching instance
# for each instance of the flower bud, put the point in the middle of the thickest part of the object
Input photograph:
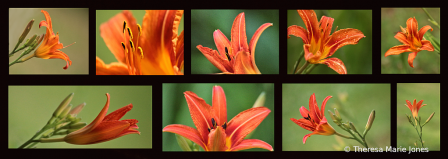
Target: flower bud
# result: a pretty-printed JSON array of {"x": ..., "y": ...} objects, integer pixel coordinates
[
  {"x": 409, "y": 119},
  {"x": 347, "y": 126},
  {"x": 64, "y": 113},
  {"x": 48, "y": 133},
  {"x": 337, "y": 115},
  {"x": 26, "y": 31},
  {"x": 352, "y": 126},
  {"x": 63, "y": 105},
  {"x": 369, "y": 122},
  {"x": 38, "y": 41},
  {"x": 260, "y": 100},
  {"x": 77, "y": 109},
  {"x": 429, "y": 119},
  {"x": 184, "y": 143},
  {"x": 31, "y": 41}
]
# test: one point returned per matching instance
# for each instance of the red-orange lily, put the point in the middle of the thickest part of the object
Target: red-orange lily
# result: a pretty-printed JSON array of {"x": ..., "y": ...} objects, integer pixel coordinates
[
  {"x": 235, "y": 57},
  {"x": 415, "y": 107},
  {"x": 49, "y": 49},
  {"x": 412, "y": 40},
  {"x": 104, "y": 128},
  {"x": 213, "y": 132},
  {"x": 319, "y": 44},
  {"x": 314, "y": 120},
  {"x": 151, "y": 49}
]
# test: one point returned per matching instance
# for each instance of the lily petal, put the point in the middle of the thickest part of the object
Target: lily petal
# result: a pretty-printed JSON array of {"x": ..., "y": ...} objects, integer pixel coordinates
[
  {"x": 411, "y": 58},
  {"x": 335, "y": 64},
  {"x": 244, "y": 123},
  {"x": 217, "y": 139},
  {"x": 118, "y": 114},
  {"x": 322, "y": 107},
  {"x": 311, "y": 23},
  {"x": 180, "y": 51},
  {"x": 426, "y": 45},
  {"x": 243, "y": 64},
  {"x": 314, "y": 109},
  {"x": 343, "y": 37},
  {"x": 397, "y": 50},
  {"x": 306, "y": 124},
  {"x": 252, "y": 143},
  {"x": 411, "y": 28},
  {"x": 200, "y": 113},
  {"x": 326, "y": 23},
  {"x": 222, "y": 43},
  {"x": 112, "y": 33},
  {"x": 219, "y": 105},
  {"x": 409, "y": 104},
  {"x": 299, "y": 32},
  {"x": 423, "y": 31},
  {"x": 115, "y": 68},
  {"x": 304, "y": 112},
  {"x": 238, "y": 34},
  {"x": 104, "y": 132},
  {"x": 307, "y": 136},
  {"x": 187, "y": 132},
  {"x": 400, "y": 36},
  {"x": 253, "y": 43},
  {"x": 215, "y": 59}
]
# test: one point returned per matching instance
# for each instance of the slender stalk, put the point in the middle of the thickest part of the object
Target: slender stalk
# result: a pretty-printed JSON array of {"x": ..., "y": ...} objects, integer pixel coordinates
[
  {"x": 302, "y": 68},
  {"x": 296, "y": 66},
  {"x": 19, "y": 60},
  {"x": 432, "y": 19},
  {"x": 310, "y": 69}
]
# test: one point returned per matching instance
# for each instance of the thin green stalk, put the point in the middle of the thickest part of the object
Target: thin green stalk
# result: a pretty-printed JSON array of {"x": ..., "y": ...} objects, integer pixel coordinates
[
  {"x": 431, "y": 19},
  {"x": 302, "y": 68},
  {"x": 296, "y": 66},
  {"x": 310, "y": 69},
  {"x": 19, "y": 60}
]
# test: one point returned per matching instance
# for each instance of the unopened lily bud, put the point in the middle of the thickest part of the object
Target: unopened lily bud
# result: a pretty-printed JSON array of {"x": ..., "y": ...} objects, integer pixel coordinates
[
  {"x": 352, "y": 126},
  {"x": 38, "y": 41},
  {"x": 77, "y": 125},
  {"x": 429, "y": 119},
  {"x": 260, "y": 100},
  {"x": 64, "y": 113},
  {"x": 63, "y": 105},
  {"x": 347, "y": 126},
  {"x": 31, "y": 41},
  {"x": 332, "y": 116},
  {"x": 369, "y": 122},
  {"x": 47, "y": 133},
  {"x": 77, "y": 109},
  {"x": 184, "y": 143},
  {"x": 337, "y": 115},
  {"x": 26, "y": 31},
  {"x": 415, "y": 143}
]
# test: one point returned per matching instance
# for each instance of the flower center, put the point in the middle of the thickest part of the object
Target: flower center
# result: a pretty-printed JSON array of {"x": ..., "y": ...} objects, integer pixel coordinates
[{"x": 132, "y": 51}]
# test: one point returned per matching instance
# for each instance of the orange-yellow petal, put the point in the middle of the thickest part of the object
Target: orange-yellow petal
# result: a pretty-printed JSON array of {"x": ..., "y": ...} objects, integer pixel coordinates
[
  {"x": 213, "y": 56},
  {"x": 253, "y": 43},
  {"x": 335, "y": 64},
  {"x": 222, "y": 43},
  {"x": 309, "y": 17},
  {"x": 252, "y": 143},
  {"x": 217, "y": 139},
  {"x": 426, "y": 45},
  {"x": 423, "y": 31},
  {"x": 115, "y": 68},
  {"x": 200, "y": 112},
  {"x": 341, "y": 38},
  {"x": 219, "y": 105},
  {"x": 411, "y": 58},
  {"x": 243, "y": 64},
  {"x": 238, "y": 34},
  {"x": 187, "y": 132},
  {"x": 244, "y": 123},
  {"x": 299, "y": 32},
  {"x": 397, "y": 50},
  {"x": 400, "y": 36}
]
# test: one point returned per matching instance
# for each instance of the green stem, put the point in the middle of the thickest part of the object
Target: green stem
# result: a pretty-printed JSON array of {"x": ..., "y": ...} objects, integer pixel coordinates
[
  {"x": 45, "y": 128},
  {"x": 302, "y": 68},
  {"x": 310, "y": 69},
  {"x": 336, "y": 133},
  {"x": 430, "y": 17},
  {"x": 296, "y": 66},
  {"x": 19, "y": 60},
  {"x": 15, "y": 51}
]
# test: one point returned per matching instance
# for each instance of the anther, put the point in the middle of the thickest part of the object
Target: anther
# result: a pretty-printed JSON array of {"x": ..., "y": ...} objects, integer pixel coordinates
[
  {"x": 124, "y": 25},
  {"x": 227, "y": 53},
  {"x": 307, "y": 118},
  {"x": 124, "y": 47},
  {"x": 130, "y": 33},
  {"x": 132, "y": 45},
  {"x": 141, "y": 52},
  {"x": 224, "y": 126},
  {"x": 139, "y": 29},
  {"x": 213, "y": 123}
]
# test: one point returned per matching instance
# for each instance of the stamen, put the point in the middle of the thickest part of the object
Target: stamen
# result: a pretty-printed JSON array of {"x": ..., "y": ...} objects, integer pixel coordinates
[
  {"x": 139, "y": 29},
  {"x": 124, "y": 26},
  {"x": 141, "y": 52},
  {"x": 69, "y": 45},
  {"x": 124, "y": 47},
  {"x": 224, "y": 126},
  {"x": 130, "y": 33},
  {"x": 132, "y": 45},
  {"x": 227, "y": 53},
  {"x": 213, "y": 123},
  {"x": 307, "y": 118}
]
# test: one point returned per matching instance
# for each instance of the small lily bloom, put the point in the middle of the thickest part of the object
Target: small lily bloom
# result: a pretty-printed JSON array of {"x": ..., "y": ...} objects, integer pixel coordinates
[
  {"x": 414, "y": 107},
  {"x": 154, "y": 48},
  {"x": 213, "y": 132},
  {"x": 319, "y": 44},
  {"x": 104, "y": 128},
  {"x": 235, "y": 56},
  {"x": 49, "y": 49},
  {"x": 314, "y": 120},
  {"x": 412, "y": 40}
]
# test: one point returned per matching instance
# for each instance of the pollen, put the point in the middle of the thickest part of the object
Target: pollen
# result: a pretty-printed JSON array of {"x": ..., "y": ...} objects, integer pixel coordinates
[
  {"x": 141, "y": 52},
  {"x": 130, "y": 33},
  {"x": 124, "y": 26}
]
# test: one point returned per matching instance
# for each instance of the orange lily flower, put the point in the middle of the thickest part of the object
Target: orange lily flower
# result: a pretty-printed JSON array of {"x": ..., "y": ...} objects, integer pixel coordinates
[
  {"x": 213, "y": 132},
  {"x": 104, "y": 128},
  {"x": 235, "y": 57},
  {"x": 412, "y": 41},
  {"x": 314, "y": 120},
  {"x": 319, "y": 44},
  {"x": 151, "y": 49},
  {"x": 415, "y": 107},
  {"x": 49, "y": 49}
]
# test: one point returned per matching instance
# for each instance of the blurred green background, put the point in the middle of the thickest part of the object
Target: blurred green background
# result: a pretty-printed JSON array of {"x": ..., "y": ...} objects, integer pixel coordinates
[
  {"x": 353, "y": 101},
  {"x": 72, "y": 25},
  {"x": 30, "y": 107},
  {"x": 205, "y": 22},
  {"x": 406, "y": 133},
  {"x": 357, "y": 58},
  {"x": 102, "y": 16},
  {"x": 239, "y": 97},
  {"x": 426, "y": 62}
]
